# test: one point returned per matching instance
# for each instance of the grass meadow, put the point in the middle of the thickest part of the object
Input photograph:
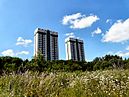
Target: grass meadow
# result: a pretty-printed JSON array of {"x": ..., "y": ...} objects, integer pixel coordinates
[{"x": 107, "y": 83}]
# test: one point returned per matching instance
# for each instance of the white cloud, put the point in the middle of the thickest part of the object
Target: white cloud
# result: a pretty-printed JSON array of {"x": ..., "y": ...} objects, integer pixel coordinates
[
  {"x": 119, "y": 53},
  {"x": 8, "y": 52},
  {"x": 97, "y": 31},
  {"x": 79, "y": 21},
  {"x": 70, "y": 18},
  {"x": 127, "y": 48},
  {"x": 119, "y": 32},
  {"x": 109, "y": 53},
  {"x": 109, "y": 21},
  {"x": 123, "y": 54},
  {"x": 12, "y": 53},
  {"x": 23, "y": 42},
  {"x": 69, "y": 34},
  {"x": 22, "y": 53}
]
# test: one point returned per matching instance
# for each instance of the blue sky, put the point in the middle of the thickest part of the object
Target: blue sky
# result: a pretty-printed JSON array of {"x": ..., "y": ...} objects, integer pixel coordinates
[{"x": 102, "y": 24}]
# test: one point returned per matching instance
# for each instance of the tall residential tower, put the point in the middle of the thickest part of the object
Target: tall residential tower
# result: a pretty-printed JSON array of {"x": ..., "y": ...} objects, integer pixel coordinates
[
  {"x": 46, "y": 42},
  {"x": 74, "y": 49}
]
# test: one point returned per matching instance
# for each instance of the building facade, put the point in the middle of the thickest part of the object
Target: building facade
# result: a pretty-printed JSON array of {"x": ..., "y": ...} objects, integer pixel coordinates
[
  {"x": 74, "y": 49},
  {"x": 46, "y": 42}
]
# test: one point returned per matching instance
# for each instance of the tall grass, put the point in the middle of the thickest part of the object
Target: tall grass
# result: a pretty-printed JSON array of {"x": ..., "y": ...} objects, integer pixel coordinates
[{"x": 109, "y": 83}]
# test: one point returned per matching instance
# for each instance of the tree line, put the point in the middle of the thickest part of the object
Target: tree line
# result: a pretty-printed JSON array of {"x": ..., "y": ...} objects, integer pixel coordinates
[{"x": 14, "y": 64}]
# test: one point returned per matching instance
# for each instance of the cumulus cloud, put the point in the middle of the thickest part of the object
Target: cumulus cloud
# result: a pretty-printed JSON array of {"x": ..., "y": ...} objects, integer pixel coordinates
[
  {"x": 120, "y": 53},
  {"x": 72, "y": 35},
  {"x": 23, "y": 42},
  {"x": 22, "y": 53},
  {"x": 69, "y": 34},
  {"x": 12, "y": 53},
  {"x": 97, "y": 31},
  {"x": 70, "y": 18},
  {"x": 119, "y": 32},
  {"x": 79, "y": 21},
  {"x": 123, "y": 54},
  {"x": 8, "y": 52}
]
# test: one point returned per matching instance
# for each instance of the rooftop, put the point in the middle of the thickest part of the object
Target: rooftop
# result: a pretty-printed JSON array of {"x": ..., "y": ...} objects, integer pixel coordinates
[{"x": 44, "y": 31}]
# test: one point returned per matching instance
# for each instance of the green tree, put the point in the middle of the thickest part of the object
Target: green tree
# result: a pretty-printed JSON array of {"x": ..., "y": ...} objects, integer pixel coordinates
[{"x": 39, "y": 61}]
